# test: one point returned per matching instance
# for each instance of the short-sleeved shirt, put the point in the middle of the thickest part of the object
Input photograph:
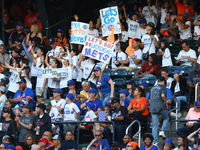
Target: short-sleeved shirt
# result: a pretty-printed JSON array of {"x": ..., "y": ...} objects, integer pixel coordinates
[
  {"x": 137, "y": 55},
  {"x": 153, "y": 147},
  {"x": 122, "y": 111},
  {"x": 90, "y": 116},
  {"x": 104, "y": 143},
  {"x": 149, "y": 44},
  {"x": 24, "y": 94},
  {"x": 103, "y": 84},
  {"x": 70, "y": 111},
  {"x": 132, "y": 28},
  {"x": 8, "y": 128},
  {"x": 194, "y": 77},
  {"x": 125, "y": 102},
  {"x": 146, "y": 67},
  {"x": 29, "y": 20},
  {"x": 19, "y": 37},
  {"x": 166, "y": 25},
  {"x": 191, "y": 53},
  {"x": 138, "y": 104},
  {"x": 97, "y": 104},
  {"x": 192, "y": 115}
]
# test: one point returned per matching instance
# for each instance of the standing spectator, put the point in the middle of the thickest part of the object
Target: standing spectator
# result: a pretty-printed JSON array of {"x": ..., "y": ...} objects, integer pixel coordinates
[
  {"x": 25, "y": 123},
  {"x": 5, "y": 57},
  {"x": 148, "y": 141},
  {"x": 197, "y": 30},
  {"x": 104, "y": 84},
  {"x": 142, "y": 29},
  {"x": 18, "y": 36},
  {"x": 120, "y": 118},
  {"x": 35, "y": 32},
  {"x": 123, "y": 95},
  {"x": 157, "y": 108},
  {"x": 41, "y": 122},
  {"x": 186, "y": 56}
]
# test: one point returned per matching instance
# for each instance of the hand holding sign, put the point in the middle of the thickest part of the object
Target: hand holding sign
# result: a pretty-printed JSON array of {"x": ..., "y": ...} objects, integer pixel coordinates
[
  {"x": 129, "y": 49},
  {"x": 111, "y": 37}
]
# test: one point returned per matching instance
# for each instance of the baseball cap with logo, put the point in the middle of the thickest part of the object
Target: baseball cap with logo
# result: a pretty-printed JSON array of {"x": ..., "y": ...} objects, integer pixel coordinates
[
  {"x": 197, "y": 104},
  {"x": 43, "y": 140}
]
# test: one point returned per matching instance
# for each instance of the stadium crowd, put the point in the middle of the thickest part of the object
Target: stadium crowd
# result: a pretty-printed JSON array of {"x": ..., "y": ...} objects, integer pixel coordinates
[{"x": 31, "y": 105}]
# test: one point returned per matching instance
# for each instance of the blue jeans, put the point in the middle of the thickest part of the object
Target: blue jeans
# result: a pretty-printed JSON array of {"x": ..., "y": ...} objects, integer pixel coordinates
[
  {"x": 155, "y": 117},
  {"x": 105, "y": 97},
  {"x": 179, "y": 99}
]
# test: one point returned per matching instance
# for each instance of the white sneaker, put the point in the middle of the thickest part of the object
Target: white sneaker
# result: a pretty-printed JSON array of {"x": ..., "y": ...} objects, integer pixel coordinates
[
  {"x": 179, "y": 115},
  {"x": 162, "y": 134},
  {"x": 173, "y": 115}
]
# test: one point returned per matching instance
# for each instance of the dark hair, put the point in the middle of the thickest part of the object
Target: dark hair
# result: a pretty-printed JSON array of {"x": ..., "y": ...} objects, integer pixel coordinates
[
  {"x": 33, "y": 139},
  {"x": 137, "y": 40},
  {"x": 18, "y": 51},
  {"x": 165, "y": 70},
  {"x": 129, "y": 136},
  {"x": 94, "y": 22},
  {"x": 185, "y": 141},
  {"x": 123, "y": 46},
  {"x": 155, "y": 58},
  {"x": 141, "y": 90},
  {"x": 31, "y": 8},
  {"x": 148, "y": 136},
  {"x": 59, "y": 64},
  {"x": 186, "y": 42},
  {"x": 170, "y": 13},
  {"x": 125, "y": 25},
  {"x": 165, "y": 44}
]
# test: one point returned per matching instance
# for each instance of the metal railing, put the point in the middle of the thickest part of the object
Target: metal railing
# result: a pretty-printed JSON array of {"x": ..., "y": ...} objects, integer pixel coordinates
[
  {"x": 196, "y": 91},
  {"x": 89, "y": 122},
  {"x": 137, "y": 133},
  {"x": 92, "y": 142},
  {"x": 170, "y": 132}
]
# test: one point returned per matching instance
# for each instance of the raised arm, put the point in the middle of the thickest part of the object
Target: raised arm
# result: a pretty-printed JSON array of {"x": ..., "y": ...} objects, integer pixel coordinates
[
  {"x": 125, "y": 14},
  {"x": 46, "y": 59}
]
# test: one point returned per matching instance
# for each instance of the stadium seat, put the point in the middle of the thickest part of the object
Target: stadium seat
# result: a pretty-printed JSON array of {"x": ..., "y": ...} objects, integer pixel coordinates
[
  {"x": 193, "y": 44},
  {"x": 119, "y": 82},
  {"x": 107, "y": 71},
  {"x": 151, "y": 81},
  {"x": 131, "y": 74},
  {"x": 119, "y": 73},
  {"x": 136, "y": 81}
]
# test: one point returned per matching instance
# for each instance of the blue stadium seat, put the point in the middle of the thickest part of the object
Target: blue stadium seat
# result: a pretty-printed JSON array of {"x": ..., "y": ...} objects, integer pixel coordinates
[{"x": 119, "y": 73}]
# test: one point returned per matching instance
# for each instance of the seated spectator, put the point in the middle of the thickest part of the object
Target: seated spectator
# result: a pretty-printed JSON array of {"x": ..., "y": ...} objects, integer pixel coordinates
[
  {"x": 18, "y": 36},
  {"x": 48, "y": 135},
  {"x": 144, "y": 85},
  {"x": 130, "y": 87},
  {"x": 197, "y": 30},
  {"x": 57, "y": 143},
  {"x": 115, "y": 145},
  {"x": 5, "y": 57},
  {"x": 35, "y": 32},
  {"x": 183, "y": 142},
  {"x": 132, "y": 146},
  {"x": 29, "y": 140},
  {"x": 23, "y": 93},
  {"x": 191, "y": 126},
  {"x": 149, "y": 68},
  {"x": 169, "y": 29},
  {"x": 61, "y": 40},
  {"x": 186, "y": 56},
  {"x": 179, "y": 89},
  {"x": 104, "y": 84},
  {"x": 35, "y": 147},
  {"x": 69, "y": 141},
  {"x": 120, "y": 118},
  {"x": 127, "y": 138},
  {"x": 42, "y": 143},
  {"x": 168, "y": 144},
  {"x": 194, "y": 137},
  {"x": 148, "y": 143},
  {"x": 123, "y": 95}
]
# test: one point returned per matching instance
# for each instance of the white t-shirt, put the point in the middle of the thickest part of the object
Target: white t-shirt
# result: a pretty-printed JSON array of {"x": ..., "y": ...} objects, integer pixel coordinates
[
  {"x": 148, "y": 16},
  {"x": 163, "y": 15},
  {"x": 197, "y": 30},
  {"x": 94, "y": 33},
  {"x": 148, "y": 41},
  {"x": 138, "y": 55},
  {"x": 120, "y": 56},
  {"x": 40, "y": 79},
  {"x": 3, "y": 98},
  {"x": 124, "y": 36},
  {"x": 141, "y": 32},
  {"x": 166, "y": 58},
  {"x": 70, "y": 111},
  {"x": 132, "y": 28},
  {"x": 52, "y": 83},
  {"x": 90, "y": 116},
  {"x": 169, "y": 82},
  {"x": 191, "y": 53},
  {"x": 185, "y": 33},
  {"x": 87, "y": 68},
  {"x": 34, "y": 68},
  {"x": 63, "y": 80},
  {"x": 75, "y": 63},
  {"x": 28, "y": 81},
  {"x": 198, "y": 59},
  {"x": 55, "y": 51},
  {"x": 14, "y": 78}
]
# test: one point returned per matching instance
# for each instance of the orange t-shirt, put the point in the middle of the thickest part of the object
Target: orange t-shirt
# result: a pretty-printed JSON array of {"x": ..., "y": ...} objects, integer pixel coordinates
[
  {"x": 181, "y": 8},
  {"x": 138, "y": 105},
  {"x": 58, "y": 43},
  {"x": 29, "y": 20}
]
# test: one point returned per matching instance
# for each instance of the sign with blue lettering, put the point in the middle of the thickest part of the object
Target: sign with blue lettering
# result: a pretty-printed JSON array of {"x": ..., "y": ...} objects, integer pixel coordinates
[
  {"x": 110, "y": 18},
  {"x": 98, "y": 49},
  {"x": 52, "y": 73},
  {"x": 79, "y": 32}
]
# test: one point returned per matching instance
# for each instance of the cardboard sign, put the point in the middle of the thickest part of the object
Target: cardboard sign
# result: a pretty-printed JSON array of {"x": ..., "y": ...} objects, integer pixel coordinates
[
  {"x": 79, "y": 32},
  {"x": 109, "y": 19},
  {"x": 52, "y": 73},
  {"x": 98, "y": 49}
]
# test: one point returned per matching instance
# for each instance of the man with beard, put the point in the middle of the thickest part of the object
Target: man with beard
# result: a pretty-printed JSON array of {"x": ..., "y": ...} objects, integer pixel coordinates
[
  {"x": 24, "y": 93},
  {"x": 148, "y": 141}
]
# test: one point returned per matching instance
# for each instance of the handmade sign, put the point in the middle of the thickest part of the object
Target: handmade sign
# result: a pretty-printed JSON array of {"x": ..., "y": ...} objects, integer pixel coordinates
[
  {"x": 98, "y": 49},
  {"x": 109, "y": 19},
  {"x": 52, "y": 73},
  {"x": 79, "y": 32}
]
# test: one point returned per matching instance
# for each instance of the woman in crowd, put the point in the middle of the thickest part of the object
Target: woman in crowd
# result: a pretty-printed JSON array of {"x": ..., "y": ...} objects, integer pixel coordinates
[
  {"x": 29, "y": 140},
  {"x": 182, "y": 141},
  {"x": 130, "y": 87},
  {"x": 61, "y": 40},
  {"x": 35, "y": 32}
]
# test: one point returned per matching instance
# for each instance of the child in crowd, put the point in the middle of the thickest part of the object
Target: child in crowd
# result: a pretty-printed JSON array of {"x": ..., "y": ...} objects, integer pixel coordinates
[
  {"x": 124, "y": 29},
  {"x": 123, "y": 96}
]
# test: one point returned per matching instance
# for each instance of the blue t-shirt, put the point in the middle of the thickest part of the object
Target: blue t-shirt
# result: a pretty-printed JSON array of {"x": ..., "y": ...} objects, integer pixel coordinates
[
  {"x": 125, "y": 102},
  {"x": 103, "y": 84},
  {"x": 23, "y": 94},
  {"x": 152, "y": 148},
  {"x": 104, "y": 143},
  {"x": 97, "y": 104}
]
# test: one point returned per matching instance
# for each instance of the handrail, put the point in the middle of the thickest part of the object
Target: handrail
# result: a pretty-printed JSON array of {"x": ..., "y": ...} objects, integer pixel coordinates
[
  {"x": 79, "y": 122},
  {"x": 196, "y": 91},
  {"x": 170, "y": 133},
  {"x": 92, "y": 142},
  {"x": 137, "y": 133}
]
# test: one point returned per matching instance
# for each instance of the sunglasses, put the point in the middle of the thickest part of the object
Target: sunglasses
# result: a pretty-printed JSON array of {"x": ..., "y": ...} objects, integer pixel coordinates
[
  {"x": 98, "y": 135},
  {"x": 199, "y": 20},
  {"x": 128, "y": 145}
]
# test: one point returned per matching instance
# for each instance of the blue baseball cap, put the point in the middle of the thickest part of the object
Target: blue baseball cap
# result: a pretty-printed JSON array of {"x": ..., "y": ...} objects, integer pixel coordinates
[
  {"x": 197, "y": 103},
  {"x": 20, "y": 24},
  {"x": 70, "y": 96},
  {"x": 144, "y": 83},
  {"x": 51, "y": 41},
  {"x": 58, "y": 90},
  {"x": 176, "y": 71},
  {"x": 142, "y": 20},
  {"x": 126, "y": 92},
  {"x": 60, "y": 31},
  {"x": 108, "y": 104},
  {"x": 96, "y": 68},
  {"x": 22, "y": 80},
  {"x": 92, "y": 91},
  {"x": 70, "y": 82},
  {"x": 168, "y": 140},
  {"x": 90, "y": 105}
]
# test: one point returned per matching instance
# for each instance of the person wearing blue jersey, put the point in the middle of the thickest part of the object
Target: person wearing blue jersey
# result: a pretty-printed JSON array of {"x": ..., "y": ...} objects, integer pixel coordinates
[
  {"x": 148, "y": 141},
  {"x": 123, "y": 96}
]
